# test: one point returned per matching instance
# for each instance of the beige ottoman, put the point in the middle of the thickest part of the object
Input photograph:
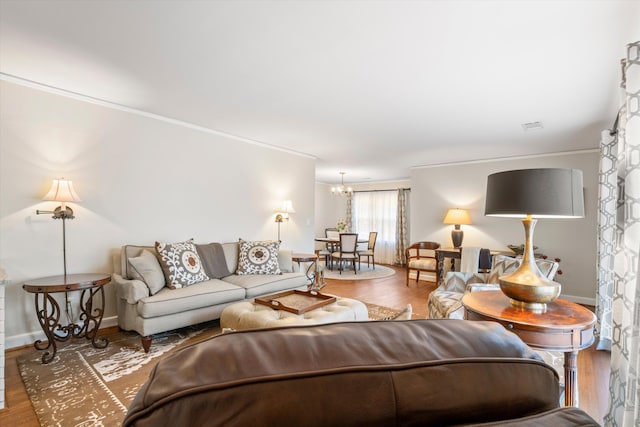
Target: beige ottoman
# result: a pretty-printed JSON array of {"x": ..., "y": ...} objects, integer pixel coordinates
[{"x": 249, "y": 315}]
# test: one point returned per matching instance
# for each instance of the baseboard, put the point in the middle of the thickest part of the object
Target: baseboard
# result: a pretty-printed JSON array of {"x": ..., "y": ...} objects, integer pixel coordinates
[
  {"x": 29, "y": 338},
  {"x": 580, "y": 300}
]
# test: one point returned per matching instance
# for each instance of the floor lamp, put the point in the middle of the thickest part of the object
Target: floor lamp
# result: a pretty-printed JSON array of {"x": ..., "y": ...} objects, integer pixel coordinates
[{"x": 61, "y": 191}]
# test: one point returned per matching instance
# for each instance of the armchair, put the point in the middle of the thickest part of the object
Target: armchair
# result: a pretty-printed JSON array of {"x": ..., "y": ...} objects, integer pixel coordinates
[
  {"x": 445, "y": 302},
  {"x": 421, "y": 257}
]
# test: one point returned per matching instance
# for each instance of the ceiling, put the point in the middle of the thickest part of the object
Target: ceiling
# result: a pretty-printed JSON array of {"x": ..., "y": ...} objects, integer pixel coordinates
[{"x": 372, "y": 88}]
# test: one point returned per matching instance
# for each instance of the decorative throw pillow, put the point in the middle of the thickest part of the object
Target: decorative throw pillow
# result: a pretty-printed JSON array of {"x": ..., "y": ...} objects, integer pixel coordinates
[
  {"x": 258, "y": 258},
  {"x": 502, "y": 265},
  {"x": 181, "y": 264},
  {"x": 147, "y": 268}
]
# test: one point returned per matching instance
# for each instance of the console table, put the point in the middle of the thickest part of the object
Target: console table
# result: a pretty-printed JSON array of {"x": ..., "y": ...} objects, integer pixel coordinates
[
  {"x": 565, "y": 327},
  {"x": 48, "y": 310}
]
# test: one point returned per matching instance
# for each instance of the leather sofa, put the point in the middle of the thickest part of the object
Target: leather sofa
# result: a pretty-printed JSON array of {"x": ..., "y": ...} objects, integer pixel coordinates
[
  {"x": 379, "y": 373},
  {"x": 146, "y": 313}
]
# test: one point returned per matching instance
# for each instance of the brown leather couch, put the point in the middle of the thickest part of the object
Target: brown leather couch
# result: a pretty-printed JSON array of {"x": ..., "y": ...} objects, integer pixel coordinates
[{"x": 402, "y": 373}]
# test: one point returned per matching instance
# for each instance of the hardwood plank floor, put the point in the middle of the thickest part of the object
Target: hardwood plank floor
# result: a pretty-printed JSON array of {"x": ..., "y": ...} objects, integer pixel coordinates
[{"x": 593, "y": 366}]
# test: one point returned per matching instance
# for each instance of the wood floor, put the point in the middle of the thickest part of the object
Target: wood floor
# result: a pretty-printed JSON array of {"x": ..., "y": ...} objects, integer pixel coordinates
[{"x": 593, "y": 366}]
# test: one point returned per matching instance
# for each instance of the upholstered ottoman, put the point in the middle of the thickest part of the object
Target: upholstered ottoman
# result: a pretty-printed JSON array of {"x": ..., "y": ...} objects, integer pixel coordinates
[{"x": 249, "y": 315}]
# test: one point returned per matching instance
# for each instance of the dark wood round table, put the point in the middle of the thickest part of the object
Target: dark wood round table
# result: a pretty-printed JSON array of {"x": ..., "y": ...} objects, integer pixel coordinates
[
  {"x": 49, "y": 313},
  {"x": 565, "y": 327}
]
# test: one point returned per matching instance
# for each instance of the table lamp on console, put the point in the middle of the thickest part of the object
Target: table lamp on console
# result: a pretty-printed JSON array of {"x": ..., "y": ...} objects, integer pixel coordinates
[
  {"x": 457, "y": 217},
  {"x": 530, "y": 194}
]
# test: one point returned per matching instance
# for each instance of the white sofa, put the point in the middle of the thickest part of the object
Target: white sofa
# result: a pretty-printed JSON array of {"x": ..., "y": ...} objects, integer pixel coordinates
[{"x": 138, "y": 310}]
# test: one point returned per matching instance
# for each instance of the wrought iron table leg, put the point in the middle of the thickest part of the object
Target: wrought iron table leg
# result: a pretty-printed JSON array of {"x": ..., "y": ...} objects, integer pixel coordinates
[{"x": 90, "y": 315}]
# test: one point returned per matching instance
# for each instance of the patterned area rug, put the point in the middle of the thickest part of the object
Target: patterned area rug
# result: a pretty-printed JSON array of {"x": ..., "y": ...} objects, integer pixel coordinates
[
  {"x": 85, "y": 386},
  {"x": 363, "y": 274}
]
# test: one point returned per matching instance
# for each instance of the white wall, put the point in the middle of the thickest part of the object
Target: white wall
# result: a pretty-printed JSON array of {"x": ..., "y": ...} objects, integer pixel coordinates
[
  {"x": 140, "y": 179},
  {"x": 436, "y": 189}
]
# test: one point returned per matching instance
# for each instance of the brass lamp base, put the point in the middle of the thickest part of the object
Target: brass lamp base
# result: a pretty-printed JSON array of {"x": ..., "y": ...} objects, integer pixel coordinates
[{"x": 527, "y": 287}]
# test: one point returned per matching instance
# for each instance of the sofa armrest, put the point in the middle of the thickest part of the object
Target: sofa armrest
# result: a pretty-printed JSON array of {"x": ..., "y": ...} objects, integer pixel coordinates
[{"x": 130, "y": 290}]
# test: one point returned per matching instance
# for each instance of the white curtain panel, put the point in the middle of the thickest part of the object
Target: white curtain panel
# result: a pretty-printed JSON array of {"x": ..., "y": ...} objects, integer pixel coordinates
[
  {"x": 618, "y": 305},
  {"x": 377, "y": 211}
]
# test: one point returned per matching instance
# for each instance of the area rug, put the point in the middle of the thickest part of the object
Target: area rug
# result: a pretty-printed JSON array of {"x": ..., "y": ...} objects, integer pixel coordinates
[
  {"x": 364, "y": 273},
  {"x": 85, "y": 386}
]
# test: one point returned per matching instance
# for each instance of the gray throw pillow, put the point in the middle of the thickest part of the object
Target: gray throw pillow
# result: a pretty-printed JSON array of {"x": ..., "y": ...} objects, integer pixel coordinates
[{"x": 147, "y": 268}]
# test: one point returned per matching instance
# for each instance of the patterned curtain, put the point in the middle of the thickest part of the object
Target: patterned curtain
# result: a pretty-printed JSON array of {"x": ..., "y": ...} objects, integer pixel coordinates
[
  {"x": 402, "y": 226},
  {"x": 623, "y": 294},
  {"x": 349, "y": 215},
  {"x": 607, "y": 208}
]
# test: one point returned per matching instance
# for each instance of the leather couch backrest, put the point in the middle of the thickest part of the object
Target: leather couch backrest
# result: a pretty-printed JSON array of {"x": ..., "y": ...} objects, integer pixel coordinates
[{"x": 421, "y": 372}]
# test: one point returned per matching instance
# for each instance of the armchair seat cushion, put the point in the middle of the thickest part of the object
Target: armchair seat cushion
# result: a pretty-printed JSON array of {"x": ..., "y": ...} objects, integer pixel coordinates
[{"x": 423, "y": 263}]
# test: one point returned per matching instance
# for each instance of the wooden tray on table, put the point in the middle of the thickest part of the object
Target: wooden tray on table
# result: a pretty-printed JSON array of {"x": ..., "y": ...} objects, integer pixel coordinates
[{"x": 297, "y": 302}]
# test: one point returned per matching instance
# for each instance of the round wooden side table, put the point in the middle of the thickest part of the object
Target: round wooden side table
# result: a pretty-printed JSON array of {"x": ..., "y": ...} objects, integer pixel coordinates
[
  {"x": 48, "y": 310},
  {"x": 565, "y": 327}
]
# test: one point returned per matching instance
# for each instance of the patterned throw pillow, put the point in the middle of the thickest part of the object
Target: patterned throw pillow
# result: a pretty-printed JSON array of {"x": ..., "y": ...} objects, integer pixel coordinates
[
  {"x": 258, "y": 258},
  {"x": 502, "y": 265},
  {"x": 181, "y": 264}
]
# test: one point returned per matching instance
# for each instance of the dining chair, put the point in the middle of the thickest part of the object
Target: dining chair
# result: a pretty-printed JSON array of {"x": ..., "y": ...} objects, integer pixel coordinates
[
  {"x": 347, "y": 251},
  {"x": 329, "y": 247},
  {"x": 369, "y": 252}
]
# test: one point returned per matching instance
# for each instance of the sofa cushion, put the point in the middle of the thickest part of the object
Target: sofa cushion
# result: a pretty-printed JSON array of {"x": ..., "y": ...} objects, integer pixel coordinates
[
  {"x": 258, "y": 257},
  {"x": 147, "y": 268},
  {"x": 202, "y": 294},
  {"x": 257, "y": 284},
  {"x": 181, "y": 264}
]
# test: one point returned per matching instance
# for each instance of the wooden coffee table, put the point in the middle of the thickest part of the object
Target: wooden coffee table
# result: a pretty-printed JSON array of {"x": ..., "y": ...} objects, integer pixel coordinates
[{"x": 565, "y": 327}]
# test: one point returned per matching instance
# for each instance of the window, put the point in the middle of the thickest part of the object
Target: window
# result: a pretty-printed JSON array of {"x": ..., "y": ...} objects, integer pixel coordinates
[{"x": 377, "y": 211}]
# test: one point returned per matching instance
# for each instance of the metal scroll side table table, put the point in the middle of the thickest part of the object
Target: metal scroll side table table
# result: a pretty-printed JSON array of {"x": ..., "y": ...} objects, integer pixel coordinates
[
  {"x": 311, "y": 258},
  {"x": 565, "y": 327},
  {"x": 48, "y": 309}
]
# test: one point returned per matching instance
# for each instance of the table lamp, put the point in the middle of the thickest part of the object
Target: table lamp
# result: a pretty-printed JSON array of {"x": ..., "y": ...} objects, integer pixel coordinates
[
  {"x": 61, "y": 191},
  {"x": 456, "y": 217},
  {"x": 529, "y": 193}
]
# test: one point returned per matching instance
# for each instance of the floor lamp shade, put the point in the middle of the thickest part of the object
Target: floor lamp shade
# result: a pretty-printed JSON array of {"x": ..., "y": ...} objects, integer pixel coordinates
[
  {"x": 61, "y": 191},
  {"x": 529, "y": 194}
]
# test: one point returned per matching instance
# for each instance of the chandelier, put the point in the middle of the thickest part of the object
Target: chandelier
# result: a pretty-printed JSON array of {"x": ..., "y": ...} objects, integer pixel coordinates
[{"x": 341, "y": 189}]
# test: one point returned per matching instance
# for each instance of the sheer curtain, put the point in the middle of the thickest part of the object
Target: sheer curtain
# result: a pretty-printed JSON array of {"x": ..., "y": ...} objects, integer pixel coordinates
[
  {"x": 618, "y": 299},
  {"x": 377, "y": 211}
]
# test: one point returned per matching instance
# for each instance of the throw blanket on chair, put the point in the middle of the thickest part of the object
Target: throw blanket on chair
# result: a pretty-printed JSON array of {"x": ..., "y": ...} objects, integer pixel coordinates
[{"x": 469, "y": 259}]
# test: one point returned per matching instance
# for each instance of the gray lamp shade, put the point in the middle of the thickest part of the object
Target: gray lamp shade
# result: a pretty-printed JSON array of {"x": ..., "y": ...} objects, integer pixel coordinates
[{"x": 541, "y": 193}]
